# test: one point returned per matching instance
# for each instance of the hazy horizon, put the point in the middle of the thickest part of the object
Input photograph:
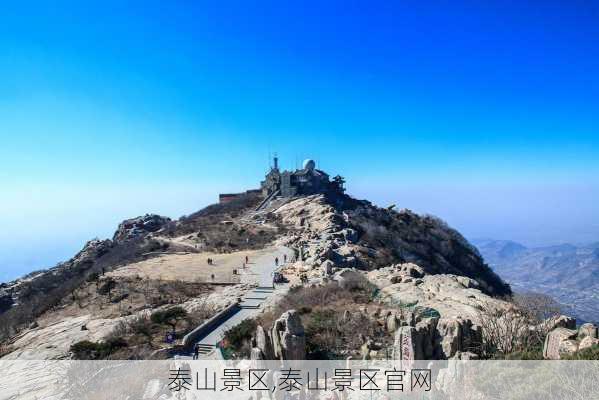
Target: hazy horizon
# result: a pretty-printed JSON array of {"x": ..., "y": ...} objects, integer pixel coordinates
[
  {"x": 51, "y": 247},
  {"x": 482, "y": 114}
]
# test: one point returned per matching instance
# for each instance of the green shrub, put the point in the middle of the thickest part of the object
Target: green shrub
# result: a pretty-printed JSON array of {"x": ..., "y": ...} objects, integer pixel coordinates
[
  {"x": 86, "y": 350},
  {"x": 240, "y": 334},
  {"x": 590, "y": 353}
]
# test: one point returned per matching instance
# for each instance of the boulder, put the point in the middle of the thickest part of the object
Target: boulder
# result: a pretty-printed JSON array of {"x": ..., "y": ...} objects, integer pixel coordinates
[
  {"x": 327, "y": 268},
  {"x": 559, "y": 341},
  {"x": 288, "y": 339},
  {"x": 256, "y": 354},
  {"x": 467, "y": 282},
  {"x": 587, "y": 342},
  {"x": 449, "y": 339},
  {"x": 407, "y": 344},
  {"x": 589, "y": 330},
  {"x": 454, "y": 335},
  {"x": 263, "y": 343},
  {"x": 426, "y": 330},
  {"x": 391, "y": 323},
  {"x": 349, "y": 278}
]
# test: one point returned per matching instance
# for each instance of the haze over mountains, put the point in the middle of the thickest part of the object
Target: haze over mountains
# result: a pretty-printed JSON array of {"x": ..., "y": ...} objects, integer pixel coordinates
[{"x": 566, "y": 272}]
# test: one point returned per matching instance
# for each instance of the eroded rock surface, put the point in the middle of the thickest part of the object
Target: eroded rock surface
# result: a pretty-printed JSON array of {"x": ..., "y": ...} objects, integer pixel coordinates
[
  {"x": 139, "y": 226},
  {"x": 564, "y": 341},
  {"x": 288, "y": 339}
]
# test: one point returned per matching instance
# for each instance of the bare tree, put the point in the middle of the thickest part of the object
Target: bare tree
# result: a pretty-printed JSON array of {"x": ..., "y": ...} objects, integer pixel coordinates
[{"x": 518, "y": 327}]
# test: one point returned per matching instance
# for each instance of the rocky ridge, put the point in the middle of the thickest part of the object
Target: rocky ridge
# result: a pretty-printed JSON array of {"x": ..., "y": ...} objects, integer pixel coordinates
[
  {"x": 431, "y": 283},
  {"x": 356, "y": 234}
]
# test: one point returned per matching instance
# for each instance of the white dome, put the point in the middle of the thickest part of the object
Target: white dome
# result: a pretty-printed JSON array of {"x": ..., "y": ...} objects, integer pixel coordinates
[{"x": 309, "y": 164}]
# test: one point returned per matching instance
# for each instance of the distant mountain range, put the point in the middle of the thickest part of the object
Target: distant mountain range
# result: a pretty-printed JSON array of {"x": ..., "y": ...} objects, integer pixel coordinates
[{"x": 566, "y": 272}]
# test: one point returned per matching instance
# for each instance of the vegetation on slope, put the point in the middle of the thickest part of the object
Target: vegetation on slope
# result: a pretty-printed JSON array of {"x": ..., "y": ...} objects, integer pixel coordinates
[{"x": 427, "y": 241}]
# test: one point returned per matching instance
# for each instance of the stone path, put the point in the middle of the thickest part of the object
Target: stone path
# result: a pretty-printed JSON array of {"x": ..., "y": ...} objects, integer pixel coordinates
[{"x": 260, "y": 272}]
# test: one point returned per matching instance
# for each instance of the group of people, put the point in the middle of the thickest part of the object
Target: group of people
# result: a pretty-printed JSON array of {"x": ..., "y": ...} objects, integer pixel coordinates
[{"x": 210, "y": 261}]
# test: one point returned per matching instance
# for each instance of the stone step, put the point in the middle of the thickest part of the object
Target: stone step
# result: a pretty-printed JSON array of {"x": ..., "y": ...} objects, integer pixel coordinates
[
  {"x": 204, "y": 348},
  {"x": 250, "y": 307}
]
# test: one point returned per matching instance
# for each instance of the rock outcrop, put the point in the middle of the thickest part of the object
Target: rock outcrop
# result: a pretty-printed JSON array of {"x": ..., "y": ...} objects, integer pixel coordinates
[
  {"x": 53, "y": 342},
  {"x": 434, "y": 338},
  {"x": 450, "y": 295},
  {"x": 140, "y": 226},
  {"x": 564, "y": 341},
  {"x": 356, "y": 234},
  {"x": 288, "y": 339}
]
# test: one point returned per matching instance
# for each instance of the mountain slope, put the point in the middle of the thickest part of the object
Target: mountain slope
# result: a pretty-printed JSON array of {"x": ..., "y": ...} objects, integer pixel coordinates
[
  {"x": 152, "y": 261},
  {"x": 568, "y": 273}
]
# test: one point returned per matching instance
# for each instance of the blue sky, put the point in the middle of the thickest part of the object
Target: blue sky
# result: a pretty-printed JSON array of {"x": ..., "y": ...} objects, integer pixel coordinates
[{"x": 483, "y": 113}]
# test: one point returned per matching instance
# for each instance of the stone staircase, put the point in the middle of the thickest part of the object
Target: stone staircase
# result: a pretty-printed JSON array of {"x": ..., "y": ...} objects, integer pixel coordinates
[
  {"x": 205, "y": 349},
  {"x": 254, "y": 299}
]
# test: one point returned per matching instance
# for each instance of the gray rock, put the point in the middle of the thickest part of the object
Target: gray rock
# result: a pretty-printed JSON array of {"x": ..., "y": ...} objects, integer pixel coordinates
[
  {"x": 589, "y": 330},
  {"x": 350, "y": 235},
  {"x": 426, "y": 330},
  {"x": 587, "y": 342},
  {"x": 349, "y": 278},
  {"x": 467, "y": 282},
  {"x": 407, "y": 344},
  {"x": 392, "y": 323},
  {"x": 449, "y": 339},
  {"x": 327, "y": 268},
  {"x": 256, "y": 354},
  {"x": 288, "y": 339},
  {"x": 559, "y": 341},
  {"x": 263, "y": 343}
]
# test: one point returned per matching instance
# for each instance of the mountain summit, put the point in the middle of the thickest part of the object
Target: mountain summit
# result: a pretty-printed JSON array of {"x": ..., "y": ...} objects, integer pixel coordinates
[{"x": 255, "y": 254}]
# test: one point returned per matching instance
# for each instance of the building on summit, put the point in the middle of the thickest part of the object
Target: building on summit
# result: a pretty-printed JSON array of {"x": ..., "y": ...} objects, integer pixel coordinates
[{"x": 305, "y": 181}]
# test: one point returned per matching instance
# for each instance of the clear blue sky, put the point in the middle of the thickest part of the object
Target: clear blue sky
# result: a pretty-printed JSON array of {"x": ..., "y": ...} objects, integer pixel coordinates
[{"x": 483, "y": 113}]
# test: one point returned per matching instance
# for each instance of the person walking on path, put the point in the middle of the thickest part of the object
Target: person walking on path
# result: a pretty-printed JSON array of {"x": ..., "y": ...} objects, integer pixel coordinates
[
  {"x": 277, "y": 261},
  {"x": 247, "y": 259},
  {"x": 196, "y": 351},
  {"x": 284, "y": 258}
]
